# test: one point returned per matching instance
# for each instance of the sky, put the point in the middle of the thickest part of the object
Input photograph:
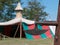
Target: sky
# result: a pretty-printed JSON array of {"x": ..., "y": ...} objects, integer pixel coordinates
[{"x": 51, "y": 7}]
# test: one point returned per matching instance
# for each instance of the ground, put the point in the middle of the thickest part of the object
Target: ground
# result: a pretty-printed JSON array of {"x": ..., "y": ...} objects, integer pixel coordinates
[{"x": 16, "y": 41}]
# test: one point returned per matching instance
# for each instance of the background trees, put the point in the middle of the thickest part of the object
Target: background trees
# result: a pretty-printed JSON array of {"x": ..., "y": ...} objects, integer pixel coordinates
[
  {"x": 7, "y": 9},
  {"x": 35, "y": 11}
]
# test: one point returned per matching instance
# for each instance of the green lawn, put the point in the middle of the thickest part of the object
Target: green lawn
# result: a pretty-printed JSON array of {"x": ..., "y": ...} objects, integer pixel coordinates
[{"x": 16, "y": 41}]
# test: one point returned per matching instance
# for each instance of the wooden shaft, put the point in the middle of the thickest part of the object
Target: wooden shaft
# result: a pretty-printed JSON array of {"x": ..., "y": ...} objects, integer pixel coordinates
[
  {"x": 57, "y": 32},
  {"x": 20, "y": 30},
  {"x": 16, "y": 31},
  {"x": 54, "y": 23}
]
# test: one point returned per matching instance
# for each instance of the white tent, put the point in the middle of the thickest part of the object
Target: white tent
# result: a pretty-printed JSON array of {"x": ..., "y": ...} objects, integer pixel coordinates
[{"x": 17, "y": 20}]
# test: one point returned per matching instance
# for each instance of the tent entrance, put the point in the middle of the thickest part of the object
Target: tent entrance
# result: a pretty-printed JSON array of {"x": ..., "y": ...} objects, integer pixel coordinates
[
  {"x": 10, "y": 31},
  {"x": 17, "y": 31}
]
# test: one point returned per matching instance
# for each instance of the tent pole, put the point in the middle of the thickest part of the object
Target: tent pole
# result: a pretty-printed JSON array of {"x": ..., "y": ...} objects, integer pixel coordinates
[
  {"x": 57, "y": 33},
  {"x": 20, "y": 30}
]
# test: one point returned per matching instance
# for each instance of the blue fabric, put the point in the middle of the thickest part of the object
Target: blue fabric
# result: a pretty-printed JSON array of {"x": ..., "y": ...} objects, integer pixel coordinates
[{"x": 25, "y": 27}]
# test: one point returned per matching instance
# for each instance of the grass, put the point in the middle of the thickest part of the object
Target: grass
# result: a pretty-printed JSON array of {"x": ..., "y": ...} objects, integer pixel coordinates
[{"x": 16, "y": 41}]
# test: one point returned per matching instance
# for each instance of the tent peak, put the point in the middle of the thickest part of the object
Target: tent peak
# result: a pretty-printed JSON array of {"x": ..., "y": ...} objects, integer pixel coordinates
[{"x": 18, "y": 7}]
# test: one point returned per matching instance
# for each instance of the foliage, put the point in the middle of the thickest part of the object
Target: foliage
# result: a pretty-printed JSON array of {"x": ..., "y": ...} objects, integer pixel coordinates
[
  {"x": 34, "y": 11},
  {"x": 7, "y": 9}
]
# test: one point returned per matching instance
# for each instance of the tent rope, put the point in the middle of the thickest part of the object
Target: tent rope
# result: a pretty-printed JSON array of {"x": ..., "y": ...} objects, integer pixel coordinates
[{"x": 3, "y": 36}]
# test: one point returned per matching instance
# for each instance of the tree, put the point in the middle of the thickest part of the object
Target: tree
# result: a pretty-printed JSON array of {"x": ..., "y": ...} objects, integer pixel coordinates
[
  {"x": 7, "y": 9},
  {"x": 35, "y": 11}
]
